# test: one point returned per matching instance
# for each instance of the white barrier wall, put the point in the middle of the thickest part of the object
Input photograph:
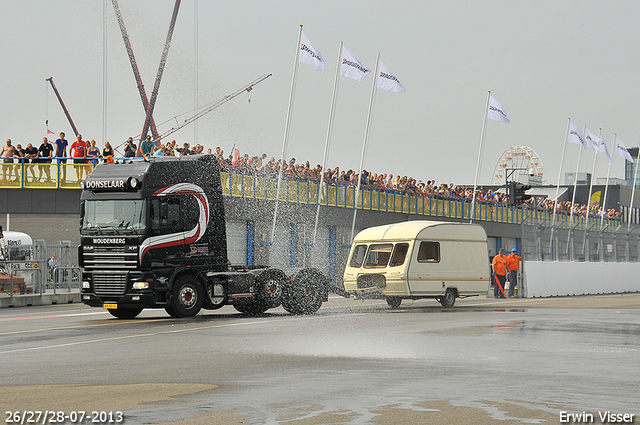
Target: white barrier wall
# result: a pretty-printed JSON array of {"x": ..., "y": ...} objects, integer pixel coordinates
[{"x": 551, "y": 278}]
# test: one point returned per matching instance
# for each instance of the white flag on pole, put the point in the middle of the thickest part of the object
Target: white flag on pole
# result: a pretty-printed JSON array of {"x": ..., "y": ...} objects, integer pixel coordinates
[
  {"x": 575, "y": 136},
  {"x": 388, "y": 81},
  {"x": 602, "y": 147},
  {"x": 310, "y": 55},
  {"x": 352, "y": 67},
  {"x": 496, "y": 111},
  {"x": 591, "y": 140},
  {"x": 621, "y": 150}
]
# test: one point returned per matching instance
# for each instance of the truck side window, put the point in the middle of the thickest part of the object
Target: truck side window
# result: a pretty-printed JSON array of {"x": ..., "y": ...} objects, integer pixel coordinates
[
  {"x": 429, "y": 252},
  {"x": 399, "y": 254},
  {"x": 190, "y": 212},
  {"x": 358, "y": 256},
  {"x": 378, "y": 255},
  {"x": 165, "y": 215},
  {"x": 155, "y": 215}
]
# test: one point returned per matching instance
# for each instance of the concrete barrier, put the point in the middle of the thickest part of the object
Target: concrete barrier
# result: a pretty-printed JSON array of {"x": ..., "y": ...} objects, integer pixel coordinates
[
  {"x": 555, "y": 278},
  {"x": 37, "y": 299}
]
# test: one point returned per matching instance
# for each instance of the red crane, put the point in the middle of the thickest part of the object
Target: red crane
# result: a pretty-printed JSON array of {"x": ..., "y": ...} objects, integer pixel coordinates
[
  {"x": 64, "y": 108},
  {"x": 148, "y": 106}
]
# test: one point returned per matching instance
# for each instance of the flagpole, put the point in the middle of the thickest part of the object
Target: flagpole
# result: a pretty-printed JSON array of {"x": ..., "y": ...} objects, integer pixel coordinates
[
  {"x": 575, "y": 185},
  {"x": 606, "y": 186},
  {"x": 285, "y": 141},
  {"x": 555, "y": 203},
  {"x": 327, "y": 143},
  {"x": 364, "y": 143},
  {"x": 633, "y": 193},
  {"x": 475, "y": 181},
  {"x": 593, "y": 170}
]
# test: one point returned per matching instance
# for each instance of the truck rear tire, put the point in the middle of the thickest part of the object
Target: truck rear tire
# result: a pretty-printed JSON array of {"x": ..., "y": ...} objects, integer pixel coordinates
[
  {"x": 449, "y": 298},
  {"x": 305, "y": 293},
  {"x": 269, "y": 286},
  {"x": 188, "y": 296},
  {"x": 254, "y": 308},
  {"x": 125, "y": 313}
]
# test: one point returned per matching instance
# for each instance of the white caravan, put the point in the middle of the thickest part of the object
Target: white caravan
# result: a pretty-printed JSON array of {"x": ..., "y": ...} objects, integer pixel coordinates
[{"x": 419, "y": 259}]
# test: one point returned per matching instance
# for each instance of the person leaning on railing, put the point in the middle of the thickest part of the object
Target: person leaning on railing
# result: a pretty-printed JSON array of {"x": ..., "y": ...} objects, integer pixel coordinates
[{"x": 45, "y": 154}]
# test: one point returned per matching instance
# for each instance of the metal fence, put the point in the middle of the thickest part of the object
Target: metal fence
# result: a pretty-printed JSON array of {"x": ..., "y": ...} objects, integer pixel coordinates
[
  {"x": 580, "y": 241},
  {"x": 51, "y": 269}
]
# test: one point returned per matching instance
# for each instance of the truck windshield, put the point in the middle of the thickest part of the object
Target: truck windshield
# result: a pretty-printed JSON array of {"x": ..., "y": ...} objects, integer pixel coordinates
[{"x": 112, "y": 214}]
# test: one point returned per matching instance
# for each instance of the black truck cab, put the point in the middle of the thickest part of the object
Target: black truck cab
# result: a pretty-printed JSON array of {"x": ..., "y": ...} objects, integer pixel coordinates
[{"x": 153, "y": 235}]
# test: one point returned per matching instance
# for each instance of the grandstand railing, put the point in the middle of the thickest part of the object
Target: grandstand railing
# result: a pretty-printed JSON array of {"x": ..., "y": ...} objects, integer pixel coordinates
[
  {"x": 243, "y": 184},
  {"x": 306, "y": 191}
]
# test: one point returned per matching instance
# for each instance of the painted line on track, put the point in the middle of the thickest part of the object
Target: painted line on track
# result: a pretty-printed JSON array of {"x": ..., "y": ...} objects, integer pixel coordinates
[
  {"x": 143, "y": 335},
  {"x": 51, "y": 316}
]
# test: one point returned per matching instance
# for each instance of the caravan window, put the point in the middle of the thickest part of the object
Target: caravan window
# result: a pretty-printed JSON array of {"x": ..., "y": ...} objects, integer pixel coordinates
[
  {"x": 378, "y": 255},
  {"x": 429, "y": 252},
  {"x": 358, "y": 256},
  {"x": 399, "y": 254}
]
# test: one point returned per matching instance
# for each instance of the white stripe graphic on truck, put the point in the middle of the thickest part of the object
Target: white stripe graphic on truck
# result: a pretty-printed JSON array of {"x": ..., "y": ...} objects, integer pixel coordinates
[{"x": 188, "y": 236}]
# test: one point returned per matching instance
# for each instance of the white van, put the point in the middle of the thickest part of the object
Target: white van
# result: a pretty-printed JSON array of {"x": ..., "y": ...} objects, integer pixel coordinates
[{"x": 419, "y": 259}]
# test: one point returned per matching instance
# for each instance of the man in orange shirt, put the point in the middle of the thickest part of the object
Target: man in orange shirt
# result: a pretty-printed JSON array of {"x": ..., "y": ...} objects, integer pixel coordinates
[
  {"x": 499, "y": 267},
  {"x": 513, "y": 264},
  {"x": 79, "y": 149}
]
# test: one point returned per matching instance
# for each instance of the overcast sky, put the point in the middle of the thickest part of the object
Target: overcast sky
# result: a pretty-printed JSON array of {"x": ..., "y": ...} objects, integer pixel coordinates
[{"x": 544, "y": 61}]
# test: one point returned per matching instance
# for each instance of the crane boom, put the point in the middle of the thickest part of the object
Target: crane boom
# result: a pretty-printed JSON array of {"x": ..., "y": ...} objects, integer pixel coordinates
[
  {"x": 220, "y": 102},
  {"x": 134, "y": 65},
  {"x": 163, "y": 60},
  {"x": 64, "y": 108}
]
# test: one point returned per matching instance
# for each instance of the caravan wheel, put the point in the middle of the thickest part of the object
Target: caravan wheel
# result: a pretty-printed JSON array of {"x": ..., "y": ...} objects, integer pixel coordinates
[
  {"x": 394, "y": 302},
  {"x": 449, "y": 298}
]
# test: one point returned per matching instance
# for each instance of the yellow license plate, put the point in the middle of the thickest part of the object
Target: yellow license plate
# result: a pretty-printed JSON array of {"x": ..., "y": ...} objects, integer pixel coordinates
[{"x": 110, "y": 306}]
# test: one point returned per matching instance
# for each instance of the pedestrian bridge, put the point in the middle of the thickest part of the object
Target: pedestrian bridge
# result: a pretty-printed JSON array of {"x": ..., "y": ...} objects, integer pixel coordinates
[{"x": 245, "y": 184}]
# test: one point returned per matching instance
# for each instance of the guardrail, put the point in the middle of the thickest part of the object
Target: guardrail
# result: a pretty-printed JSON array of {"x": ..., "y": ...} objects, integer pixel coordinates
[
  {"x": 243, "y": 184},
  {"x": 306, "y": 191},
  {"x": 57, "y": 174}
]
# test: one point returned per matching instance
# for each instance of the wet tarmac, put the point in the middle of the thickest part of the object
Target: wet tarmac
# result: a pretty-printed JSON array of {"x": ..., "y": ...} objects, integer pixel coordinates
[{"x": 355, "y": 362}]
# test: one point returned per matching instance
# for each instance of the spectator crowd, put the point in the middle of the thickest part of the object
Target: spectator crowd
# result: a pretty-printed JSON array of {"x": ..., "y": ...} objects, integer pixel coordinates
[{"x": 87, "y": 153}]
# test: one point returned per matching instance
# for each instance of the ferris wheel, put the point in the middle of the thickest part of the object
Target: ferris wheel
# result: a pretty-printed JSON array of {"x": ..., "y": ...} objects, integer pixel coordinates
[{"x": 519, "y": 163}]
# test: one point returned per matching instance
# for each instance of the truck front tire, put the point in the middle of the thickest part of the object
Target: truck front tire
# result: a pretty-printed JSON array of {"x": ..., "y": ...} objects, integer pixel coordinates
[
  {"x": 125, "y": 313},
  {"x": 187, "y": 296}
]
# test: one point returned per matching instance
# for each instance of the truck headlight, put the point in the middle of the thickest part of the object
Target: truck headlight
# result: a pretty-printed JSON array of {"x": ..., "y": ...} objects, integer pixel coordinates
[
  {"x": 140, "y": 285},
  {"x": 86, "y": 284}
]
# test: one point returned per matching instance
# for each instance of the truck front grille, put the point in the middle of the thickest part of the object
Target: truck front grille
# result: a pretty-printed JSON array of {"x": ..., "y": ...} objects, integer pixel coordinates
[
  {"x": 110, "y": 258},
  {"x": 113, "y": 283}
]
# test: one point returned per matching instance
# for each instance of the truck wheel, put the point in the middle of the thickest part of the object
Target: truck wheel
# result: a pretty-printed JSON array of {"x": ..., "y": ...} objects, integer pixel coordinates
[
  {"x": 305, "y": 293},
  {"x": 269, "y": 286},
  {"x": 125, "y": 313},
  {"x": 187, "y": 297},
  {"x": 394, "y": 302},
  {"x": 449, "y": 298},
  {"x": 254, "y": 308},
  {"x": 171, "y": 312}
]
